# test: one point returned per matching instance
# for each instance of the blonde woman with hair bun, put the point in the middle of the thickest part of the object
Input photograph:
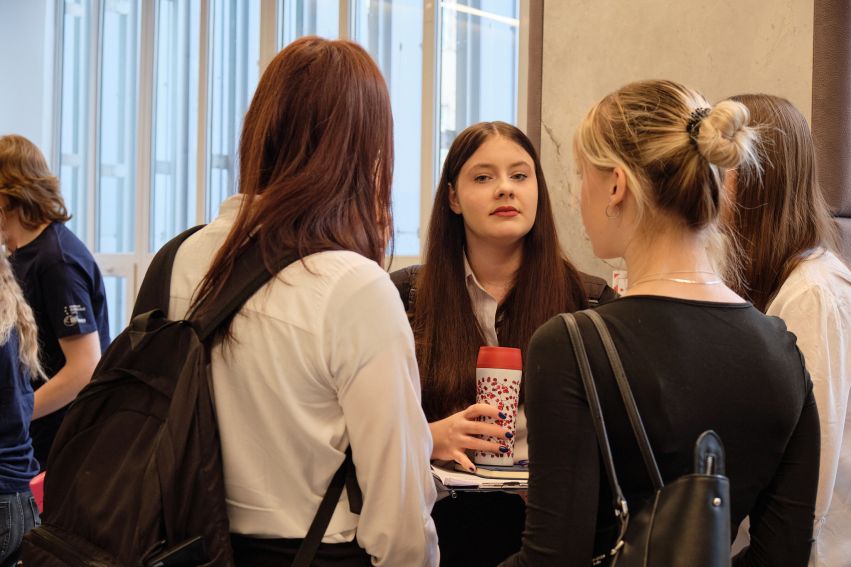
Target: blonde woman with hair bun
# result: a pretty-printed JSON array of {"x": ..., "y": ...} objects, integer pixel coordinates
[
  {"x": 19, "y": 368},
  {"x": 698, "y": 356}
]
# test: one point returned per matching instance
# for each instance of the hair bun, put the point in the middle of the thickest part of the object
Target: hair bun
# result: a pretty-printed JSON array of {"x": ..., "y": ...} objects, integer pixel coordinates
[{"x": 724, "y": 137}]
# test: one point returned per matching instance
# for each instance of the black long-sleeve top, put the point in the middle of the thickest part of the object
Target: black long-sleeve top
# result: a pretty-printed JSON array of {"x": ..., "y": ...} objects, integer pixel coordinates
[{"x": 692, "y": 366}]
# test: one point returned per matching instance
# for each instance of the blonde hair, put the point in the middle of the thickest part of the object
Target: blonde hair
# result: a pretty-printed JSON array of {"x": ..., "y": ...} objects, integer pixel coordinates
[
  {"x": 16, "y": 314},
  {"x": 28, "y": 183},
  {"x": 672, "y": 145}
]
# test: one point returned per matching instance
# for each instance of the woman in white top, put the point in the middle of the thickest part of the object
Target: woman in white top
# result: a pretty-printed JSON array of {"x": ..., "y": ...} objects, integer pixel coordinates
[
  {"x": 493, "y": 273},
  {"x": 786, "y": 245},
  {"x": 321, "y": 358}
]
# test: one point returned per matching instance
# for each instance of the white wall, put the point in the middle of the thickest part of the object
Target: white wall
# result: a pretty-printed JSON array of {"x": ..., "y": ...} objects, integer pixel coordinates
[
  {"x": 721, "y": 48},
  {"x": 26, "y": 70}
]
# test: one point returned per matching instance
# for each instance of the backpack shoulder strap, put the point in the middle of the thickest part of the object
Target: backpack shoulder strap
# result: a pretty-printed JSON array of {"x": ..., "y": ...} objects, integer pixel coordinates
[
  {"x": 249, "y": 274},
  {"x": 581, "y": 355},
  {"x": 154, "y": 293},
  {"x": 405, "y": 281},
  {"x": 342, "y": 478},
  {"x": 596, "y": 289},
  {"x": 628, "y": 399}
]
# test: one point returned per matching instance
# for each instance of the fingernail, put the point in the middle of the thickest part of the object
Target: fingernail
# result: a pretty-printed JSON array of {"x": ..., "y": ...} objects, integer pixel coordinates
[
  {"x": 472, "y": 469},
  {"x": 509, "y": 435},
  {"x": 502, "y": 416},
  {"x": 503, "y": 449}
]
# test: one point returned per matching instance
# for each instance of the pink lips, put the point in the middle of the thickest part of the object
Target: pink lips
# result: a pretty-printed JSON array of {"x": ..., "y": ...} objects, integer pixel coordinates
[{"x": 505, "y": 212}]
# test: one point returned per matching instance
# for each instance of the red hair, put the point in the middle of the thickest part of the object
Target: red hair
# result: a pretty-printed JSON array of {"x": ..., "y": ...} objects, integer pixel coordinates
[{"x": 317, "y": 145}]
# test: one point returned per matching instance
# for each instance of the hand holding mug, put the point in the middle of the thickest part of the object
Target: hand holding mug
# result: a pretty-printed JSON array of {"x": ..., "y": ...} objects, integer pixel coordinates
[{"x": 453, "y": 436}]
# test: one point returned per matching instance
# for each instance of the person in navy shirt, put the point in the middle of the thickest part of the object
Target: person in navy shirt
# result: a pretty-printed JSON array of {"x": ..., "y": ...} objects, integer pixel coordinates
[
  {"x": 19, "y": 366},
  {"x": 60, "y": 279}
]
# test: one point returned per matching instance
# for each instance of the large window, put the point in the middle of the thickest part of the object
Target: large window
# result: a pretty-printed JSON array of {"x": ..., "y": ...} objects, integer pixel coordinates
[
  {"x": 233, "y": 74},
  {"x": 392, "y": 32},
  {"x": 97, "y": 141},
  {"x": 153, "y": 95},
  {"x": 174, "y": 151},
  {"x": 479, "y": 61}
]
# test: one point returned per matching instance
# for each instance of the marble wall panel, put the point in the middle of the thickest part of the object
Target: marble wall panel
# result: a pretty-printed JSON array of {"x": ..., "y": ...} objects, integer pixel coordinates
[{"x": 721, "y": 48}]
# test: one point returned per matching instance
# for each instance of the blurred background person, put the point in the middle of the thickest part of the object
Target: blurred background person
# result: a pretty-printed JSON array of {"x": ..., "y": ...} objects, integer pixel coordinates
[
  {"x": 60, "y": 279},
  {"x": 19, "y": 368}
]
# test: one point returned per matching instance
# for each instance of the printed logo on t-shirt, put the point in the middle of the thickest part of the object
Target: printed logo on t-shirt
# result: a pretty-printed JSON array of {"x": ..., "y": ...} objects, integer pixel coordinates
[{"x": 74, "y": 315}]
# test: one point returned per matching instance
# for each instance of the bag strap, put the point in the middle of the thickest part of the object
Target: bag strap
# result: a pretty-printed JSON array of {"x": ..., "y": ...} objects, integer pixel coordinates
[
  {"x": 310, "y": 544},
  {"x": 628, "y": 399},
  {"x": 156, "y": 285},
  {"x": 248, "y": 275},
  {"x": 621, "y": 509}
]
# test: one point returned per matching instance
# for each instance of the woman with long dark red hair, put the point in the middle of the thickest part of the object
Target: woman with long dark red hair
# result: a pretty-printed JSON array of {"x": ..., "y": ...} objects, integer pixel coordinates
[
  {"x": 321, "y": 358},
  {"x": 493, "y": 273}
]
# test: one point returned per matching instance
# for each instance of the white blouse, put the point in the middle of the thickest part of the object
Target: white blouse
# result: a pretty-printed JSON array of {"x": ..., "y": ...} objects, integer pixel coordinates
[
  {"x": 323, "y": 358},
  {"x": 815, "y": 302}
]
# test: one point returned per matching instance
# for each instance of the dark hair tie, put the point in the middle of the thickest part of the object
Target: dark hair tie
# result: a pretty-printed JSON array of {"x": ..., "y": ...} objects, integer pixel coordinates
[{"x": 694, "y": 120}]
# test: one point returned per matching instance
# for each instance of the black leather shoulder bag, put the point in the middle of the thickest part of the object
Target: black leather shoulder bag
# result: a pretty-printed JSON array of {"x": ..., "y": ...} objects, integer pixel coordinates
[{"x": 687, "y": 522}]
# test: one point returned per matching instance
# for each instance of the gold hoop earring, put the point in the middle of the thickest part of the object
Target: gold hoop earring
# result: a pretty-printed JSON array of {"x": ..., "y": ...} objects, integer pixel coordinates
[{"x": 613, "y": 216}]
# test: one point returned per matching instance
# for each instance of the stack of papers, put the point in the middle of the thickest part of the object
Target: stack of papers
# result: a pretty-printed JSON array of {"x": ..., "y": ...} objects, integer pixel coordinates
[{"x": 458, "y": 480}]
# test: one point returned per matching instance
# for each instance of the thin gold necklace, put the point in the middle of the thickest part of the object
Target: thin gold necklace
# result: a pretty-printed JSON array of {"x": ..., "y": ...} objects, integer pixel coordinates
[{"x": 661, "y": 277}]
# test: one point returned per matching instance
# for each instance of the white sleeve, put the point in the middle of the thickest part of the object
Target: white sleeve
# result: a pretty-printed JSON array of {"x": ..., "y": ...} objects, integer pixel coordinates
[
  {"x": 370, "y": 354},
  {"x": 814, "y": 317}
]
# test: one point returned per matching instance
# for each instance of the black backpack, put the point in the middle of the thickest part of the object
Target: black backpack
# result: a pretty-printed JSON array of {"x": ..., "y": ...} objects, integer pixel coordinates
[{"x": 134, "y": 478}]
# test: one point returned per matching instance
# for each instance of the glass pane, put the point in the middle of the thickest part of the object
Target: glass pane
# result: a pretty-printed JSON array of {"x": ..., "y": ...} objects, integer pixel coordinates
[
  {"x": 308, "y": 17},
  {"x": 117, "y": 142},
  {"x": 478, "y": 62},
  {"x": 74, "y": 119},
  {"x": 175, "y": 146},
  {"x": 234, "y": 68},
  {"x": 392, "y": 31},
  {"x": 116, "y": 303}
]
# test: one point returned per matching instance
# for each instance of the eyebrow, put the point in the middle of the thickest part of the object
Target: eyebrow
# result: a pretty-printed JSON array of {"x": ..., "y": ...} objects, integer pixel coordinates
[{"x": 513, "y": 165}]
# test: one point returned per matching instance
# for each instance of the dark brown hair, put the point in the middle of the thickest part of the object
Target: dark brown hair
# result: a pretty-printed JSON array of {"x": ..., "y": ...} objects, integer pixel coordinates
[
  {"x": 778, "y": 216},
  {"x": 317, "y": 145},
  {"x": 25, "y": 179},
  {"x": 445, "y": 328}
]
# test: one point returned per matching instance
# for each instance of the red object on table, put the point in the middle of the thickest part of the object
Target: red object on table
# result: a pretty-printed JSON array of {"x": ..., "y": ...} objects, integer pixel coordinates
[{"x": 37, "y": 488}]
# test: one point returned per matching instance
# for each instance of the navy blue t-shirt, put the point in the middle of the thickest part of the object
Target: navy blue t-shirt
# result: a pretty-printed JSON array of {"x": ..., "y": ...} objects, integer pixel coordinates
[
  {"x": 17, "y": 462},
  {"x": 63, "y": 285}
]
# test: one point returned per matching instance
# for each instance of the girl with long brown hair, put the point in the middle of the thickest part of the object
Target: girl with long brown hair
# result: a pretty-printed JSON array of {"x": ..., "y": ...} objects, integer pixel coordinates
[
  {"x": 786, "y": 246},
  {"x": 19, "y": 368},
  {"x": 321, "y": 358},
  {"x": 493, "y": 273}
]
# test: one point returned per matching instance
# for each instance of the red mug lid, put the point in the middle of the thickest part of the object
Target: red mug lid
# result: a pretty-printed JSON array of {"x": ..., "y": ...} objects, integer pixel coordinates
[{"x": 499, "y": 357}]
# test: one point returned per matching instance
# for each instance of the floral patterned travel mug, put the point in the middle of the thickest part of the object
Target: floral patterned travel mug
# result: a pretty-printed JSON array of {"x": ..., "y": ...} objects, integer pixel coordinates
[{"x": 498, "y": 374}]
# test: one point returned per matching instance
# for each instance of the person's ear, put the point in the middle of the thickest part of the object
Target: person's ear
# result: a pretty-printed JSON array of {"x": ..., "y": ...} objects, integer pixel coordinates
[
  {"x": 619, "y": 187},
  {"x": 454, "y": 203}
]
